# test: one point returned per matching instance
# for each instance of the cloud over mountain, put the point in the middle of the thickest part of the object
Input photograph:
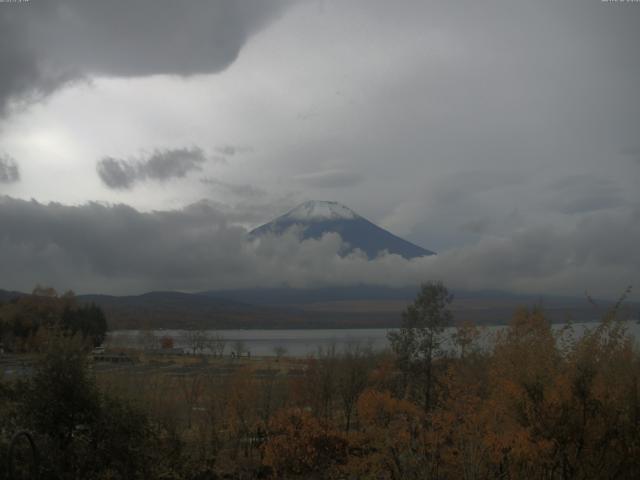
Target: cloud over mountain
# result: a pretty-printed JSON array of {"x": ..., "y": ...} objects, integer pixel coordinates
[
  {"x": 316, "y": 218},
  {"x": 117, "y": 249}
]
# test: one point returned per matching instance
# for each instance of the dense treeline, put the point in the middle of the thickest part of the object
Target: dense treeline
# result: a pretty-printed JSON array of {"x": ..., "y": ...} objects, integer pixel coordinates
[
  {"x": 24, "y": 320},
  {"x": 538, "y": 404},
  {"x": 80, "y": 432}
]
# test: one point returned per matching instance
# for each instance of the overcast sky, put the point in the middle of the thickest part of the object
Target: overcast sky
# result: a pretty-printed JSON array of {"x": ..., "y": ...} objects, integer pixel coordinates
[{"x": 139, "y": 140}]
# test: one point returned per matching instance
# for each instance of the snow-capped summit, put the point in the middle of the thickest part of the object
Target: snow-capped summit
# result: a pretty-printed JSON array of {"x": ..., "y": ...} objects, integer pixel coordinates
[
  {"x": 317, "y": 210},
  {"x": 319, "y": 217}
]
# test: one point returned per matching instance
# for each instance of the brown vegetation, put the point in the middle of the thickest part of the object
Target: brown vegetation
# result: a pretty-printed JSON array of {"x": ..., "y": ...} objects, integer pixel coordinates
[{"x": 538, "y": 404}]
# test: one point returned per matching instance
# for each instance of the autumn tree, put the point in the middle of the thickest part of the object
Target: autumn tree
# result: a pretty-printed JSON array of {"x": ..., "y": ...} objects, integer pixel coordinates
[
  {"x": 320, "y": 384},
  {"x": 353, "y": 374},
  {"x": 465, "y": 338},
  {"x": 391, "y": 440},
  {"x": 242, "y": 414},
  {"x": 191, "y": 386},
  {"x": 44, "y": 291},
  {"x": 522, "y": 370},
  {"x": 166, "y": 342},
  {"x": 272, "y": 394},
  {"x": 418, "y": 341},
  {"x": 300, "y": 445},
  {"x": 210, "y": 427}
]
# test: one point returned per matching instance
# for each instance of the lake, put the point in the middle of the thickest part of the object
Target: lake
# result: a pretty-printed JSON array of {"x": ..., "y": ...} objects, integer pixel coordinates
[{"x": 302, "y": 343}]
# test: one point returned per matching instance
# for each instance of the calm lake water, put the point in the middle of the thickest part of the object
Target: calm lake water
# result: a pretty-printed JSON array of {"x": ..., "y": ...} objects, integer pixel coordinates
[{"x": 303, "y": 343}]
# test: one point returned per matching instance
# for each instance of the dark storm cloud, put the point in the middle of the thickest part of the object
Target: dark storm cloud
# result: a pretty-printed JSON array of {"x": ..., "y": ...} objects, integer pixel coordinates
[
  {"x": 9, "y": 170},
  {"x": 330, "y": 179},
  {"x": 115, "y": 243},
  {"x": 162, "y": 165},
  {"x": 115, "y": 248},
  {"x": 23, "y": 78},
  {"x": 45, "y": 44}
]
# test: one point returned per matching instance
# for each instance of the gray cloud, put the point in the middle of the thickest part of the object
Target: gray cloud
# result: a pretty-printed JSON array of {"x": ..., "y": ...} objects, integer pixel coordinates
[
  {"x": 583, "y": 193},
  {"x": 463, "y": 205},
  {"x": 161, "y": 165},
  {"x": 476, "y": 226},
  {"x": 117, "y": 174},
  {"x": 251, "y": 212},
  {"x": 176, "y": 163},
  {"x": 9, "y": 170},
  {"x": 22, "y": 76},
  {"x": 330, "y": 179},
  {"x": 45, "y": 44},
  {"x": 596, "y": 254},
  {"x": 231, "y": 150},
  {"x": 461, "y": 115},
  {"x": 225, "y": 151},
  {"x": 102, "y": 244},
  {"x": 238, "y": 189},
  {"x": 462, "y": 186},
  {"x": 631, "y": 152},
  {"x": 115, "y": 248}
]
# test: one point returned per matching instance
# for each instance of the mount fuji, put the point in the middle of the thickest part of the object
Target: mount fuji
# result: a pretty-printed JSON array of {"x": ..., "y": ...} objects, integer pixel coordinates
[{"x": 319, "y": 217}]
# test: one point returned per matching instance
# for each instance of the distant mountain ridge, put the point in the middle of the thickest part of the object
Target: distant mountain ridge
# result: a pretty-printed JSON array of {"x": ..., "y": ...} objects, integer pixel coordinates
[
  {"x": 300, "y": 296},
  {"x": 317, "y": 218},
  {"x": 330, "y": 307}
]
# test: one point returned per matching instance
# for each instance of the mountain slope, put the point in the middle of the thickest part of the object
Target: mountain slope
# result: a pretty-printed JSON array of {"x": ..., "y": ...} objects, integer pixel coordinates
[
  {"x": 185, "y": 310},
  {"x": 320, "y": 217}
]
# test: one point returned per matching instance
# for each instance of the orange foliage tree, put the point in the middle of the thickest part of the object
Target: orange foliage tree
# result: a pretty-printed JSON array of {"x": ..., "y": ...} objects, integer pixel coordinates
[
  {"x": 299, "y": 444},
  {"x": 391, "y": 442}
]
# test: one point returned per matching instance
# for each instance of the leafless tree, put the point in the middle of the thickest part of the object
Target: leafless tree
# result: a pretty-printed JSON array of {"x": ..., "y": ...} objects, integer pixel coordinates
[
  {"x": 216, "y": 344},
  {"x": 238, "y": 347},
  {"x": 280, "y": 352},
  {"x": 196, "y": 341},
  {"x": 147, "y": 339}
]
